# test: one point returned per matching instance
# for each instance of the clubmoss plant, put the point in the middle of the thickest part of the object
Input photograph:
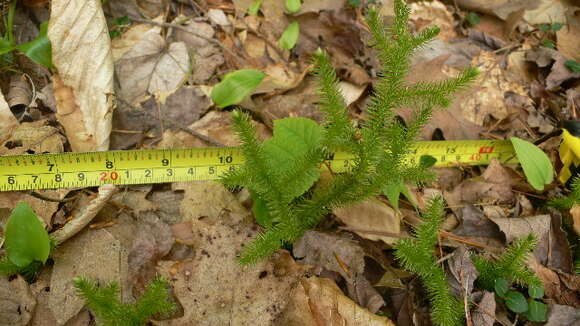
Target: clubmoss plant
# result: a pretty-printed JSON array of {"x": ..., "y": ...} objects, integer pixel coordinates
[
  {"x": 510, "y": 265},
  {"x": 281, "y": 171},
  {"x": 110, "y": 311},
  {"x": 416, "y": 255}
]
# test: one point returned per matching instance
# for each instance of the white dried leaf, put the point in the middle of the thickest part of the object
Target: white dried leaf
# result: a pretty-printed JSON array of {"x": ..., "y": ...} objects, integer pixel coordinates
[
  {"x": 7, "y": 120},
  {"x": 81, "y": 52}
]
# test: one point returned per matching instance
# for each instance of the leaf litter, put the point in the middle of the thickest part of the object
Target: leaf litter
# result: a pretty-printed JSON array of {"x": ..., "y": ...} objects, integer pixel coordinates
[{"x": 150, "y": 87}]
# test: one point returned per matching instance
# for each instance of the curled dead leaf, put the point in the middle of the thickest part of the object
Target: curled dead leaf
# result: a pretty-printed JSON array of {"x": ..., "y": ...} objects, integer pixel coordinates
[{"x": 7, "y": 120}]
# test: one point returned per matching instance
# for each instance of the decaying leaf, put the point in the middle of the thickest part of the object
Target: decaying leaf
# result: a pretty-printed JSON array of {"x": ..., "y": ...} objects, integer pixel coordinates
[
  {"x": 81, "y": 53},
  {"x": 319, "y": 302},
  {"x": 515, "y": 228},
  {"x": 372, "y": 216},
  {"x": 7, "y": 120},
  {"x": 152, "y": 67},
  {"x": 18, "y": 304},
  {"x": 433, "y": 13},
  {"x": 567, "y": 36},
  {"x": 343, "y": 256},
  {"x": 19, "y": 93},
  {"x": 213, "y": 287},
  {"x": 562, "y": 315},
  {"x": 94, "y": 254},
  {"x": 484, "y": 313},
  {"x": 33, "y": 138}
]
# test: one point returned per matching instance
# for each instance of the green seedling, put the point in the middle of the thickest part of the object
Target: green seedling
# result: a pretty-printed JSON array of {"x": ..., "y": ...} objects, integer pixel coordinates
[
  {"x": 573, "y": 65},
  {"x": 293, "y": 6},
  {"x": 118, "y": 26},
  {"x": 554, "y": 27},
  {"x": 236, "y": 86},
  {"x": 535, "y": 163},
  {"x": 38, "y": 50},
  {"x": 283, "y": 171},
  {"x": 515, "y": 301},
  {"x": 255, "y": 7},
  {"x": 472, "y": 19},
  {"x": 110, "y": 311},
  {"x": 26, "y": 242}
]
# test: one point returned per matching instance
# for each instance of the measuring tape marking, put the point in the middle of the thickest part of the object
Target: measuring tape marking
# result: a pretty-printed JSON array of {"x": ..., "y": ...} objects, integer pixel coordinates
[{"x": 79, "y": 170}]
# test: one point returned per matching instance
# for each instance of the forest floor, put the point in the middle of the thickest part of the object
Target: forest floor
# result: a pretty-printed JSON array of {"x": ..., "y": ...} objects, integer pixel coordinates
[{"x": 148, "y": 86}]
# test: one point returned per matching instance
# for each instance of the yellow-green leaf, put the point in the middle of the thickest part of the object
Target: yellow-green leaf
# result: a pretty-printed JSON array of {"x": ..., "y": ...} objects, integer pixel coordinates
[
  {"x": 236, "y": 86},
  {"x": 26, "y": 240},
  {"x": 535, "y": 163},
  {"x": 290, "y": 36},
  {"x": 293, "y": 6}
]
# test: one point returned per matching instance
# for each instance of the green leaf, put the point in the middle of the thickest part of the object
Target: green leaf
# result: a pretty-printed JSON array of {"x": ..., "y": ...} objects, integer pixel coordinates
[
  {"x": 536, "y": 292},
  {"x": 26, "y": 240},
  {"x": 354, "y": 3},
  {"x": 293, "y": 6},
  {"x": 557, "y": 26},
  {"x": 38, "y": 50},
  {"x": 516, "y": 302},
  {"x": 260, "y": 210},
  {"x": 427, "y": 161},
  {"x": 124, "y": 20},
  {"x": 290, "y": 36},
  {"x": 236, "y": 86},
  {"x": 473, "y": 19},
  {"x": 537, "y": 311},
  {"x": 255, "y": 7},
  {"x": 535, "y": 163},
  {"x": 293, "y": 139},
  {"x": 549, "y": 44},
  {"x": 394, "y": 190},
  {"x": 5, "y": 46},
  {"x": 544, "y": 27},
  {"x": 573, "y": 65},
  {"x": 501, "y": 287}
]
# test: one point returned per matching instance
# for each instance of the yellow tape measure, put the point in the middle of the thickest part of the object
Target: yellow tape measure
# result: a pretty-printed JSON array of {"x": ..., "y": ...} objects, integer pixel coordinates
[{"x": 79, "y": 170}]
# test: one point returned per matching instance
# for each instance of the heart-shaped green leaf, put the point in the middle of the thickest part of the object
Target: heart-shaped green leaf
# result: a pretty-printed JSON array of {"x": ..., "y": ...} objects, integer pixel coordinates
[
  {"x": 26, "y": 240},
  {"x": 516, "y": 302},
  {"x": 535, "y": 163},
  {"x": 236, "y": 86},
  {"x": 501, "y": 287},
  {"x": 536, "y": 292},
  {"x": 537, "y": 311}
]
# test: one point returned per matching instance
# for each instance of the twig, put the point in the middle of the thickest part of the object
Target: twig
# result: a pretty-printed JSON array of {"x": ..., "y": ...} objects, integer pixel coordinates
[
  {"x": 50, "y": 199},
  {"x": 187, "y": 30},
  {"x": 86, "y": 215}
]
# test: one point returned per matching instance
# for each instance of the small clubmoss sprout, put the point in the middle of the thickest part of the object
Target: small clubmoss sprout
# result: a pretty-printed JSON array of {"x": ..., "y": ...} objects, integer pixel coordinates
[{"x": 110, "y": 311}]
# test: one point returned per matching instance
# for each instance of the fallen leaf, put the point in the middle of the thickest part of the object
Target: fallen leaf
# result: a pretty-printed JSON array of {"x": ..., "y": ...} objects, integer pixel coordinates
[
  {"x": 484, "y": 312},
  {"x": 515, "y": 228},
  {"x": 94, "y": 254},
  {"x": 18, "y": 303},
  {"x": 433, "y": 13},
  {"x": 343, "y": 256},
  {"x": 560, "y": 315},
  {"x": 372, "y": 216},
  {"x": 316, "y": 6},
  {"x": 205, "y": 55},
  {"x": 463, "y": 272},
  {"x": 19, "y": 93},
  {"x": 476, "y": 225},
  {"x": 7, "y": 120},
  {"x": 319, "y": 302},
  {"x": 81, "y": 53},
  {"x": 185, "y": 106},
  {"x": 350, "y": 92},
  {"x": 152, "y": 67},
  {"x": 33, "y": 138},
  {"x": 561, "y": 287},
  {"x": 559, "y": 73},
  {"x": 546, "y": 11},
  {"x": 230, "y": 292},
  {"x": 218, "y": 17},
  {"x": 129, "y": 38},
  {"x": 567, "y": 37}
]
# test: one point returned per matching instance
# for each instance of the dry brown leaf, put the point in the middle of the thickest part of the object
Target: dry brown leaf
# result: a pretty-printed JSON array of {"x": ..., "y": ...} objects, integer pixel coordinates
[
  {"x": 33, "y": 138},
  {"x": 515, "y": 228},
  {"x": 547, "y": 11},
  {"x": 81, "y": 52},
  {"x": 561, "y": 287},
  {"x": 44, "y": 209},
  {"x": 19, "y": 92},
  {"x": 567, "y": 36},
  {"x": 560, "y": 315},
  {"x": 206, "y": 56},
  {"x": 152, "y": 67},
  {"x": 18, "y": 303},
  {"x": 213, "y": 287},
  {"x": 316, "y": 6},
  {"x": 279, "y": 77},
  {"x": 7, "y": 120},
  {"x": 476, "y": 225},
  {"x": 484, "y": 312},
  {"x": 433, "y": 13},
  {"x": 319, "y": 302},
  {"x": 129, "y": 38},
  {"x": 94, "y": 254},
  {"x": 463, "y": 272},
  {"x": 343, "y": 256},
  {"x": 371, "y": 215},
  {"x": 500, "y": 8}
]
